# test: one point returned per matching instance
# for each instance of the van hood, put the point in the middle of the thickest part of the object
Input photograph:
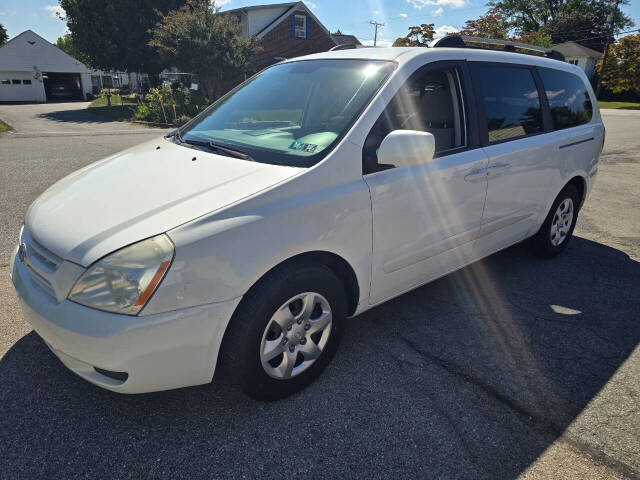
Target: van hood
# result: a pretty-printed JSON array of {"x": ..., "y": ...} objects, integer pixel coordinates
[{"x": 139, "y": 193}]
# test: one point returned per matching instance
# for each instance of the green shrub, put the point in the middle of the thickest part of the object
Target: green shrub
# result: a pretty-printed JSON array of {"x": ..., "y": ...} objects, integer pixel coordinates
[
  {"x": 159, "y": 102},
  {"x": 182, "y": 119}
]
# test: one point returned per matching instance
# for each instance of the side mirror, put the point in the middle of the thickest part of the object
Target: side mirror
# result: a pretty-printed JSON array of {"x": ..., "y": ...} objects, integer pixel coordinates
[{"x": 402, "y": 148}]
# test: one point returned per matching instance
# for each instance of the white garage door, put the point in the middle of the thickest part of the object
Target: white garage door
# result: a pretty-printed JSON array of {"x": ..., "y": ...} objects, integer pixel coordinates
[{"x": 20, "y": 87}]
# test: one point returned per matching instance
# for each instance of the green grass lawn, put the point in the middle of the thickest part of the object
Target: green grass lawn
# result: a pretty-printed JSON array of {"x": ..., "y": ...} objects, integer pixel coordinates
[
  {"x": 122, "y": 108},
  {"x": 4, "y": 127},
  {"x": 620, "y": 105}
]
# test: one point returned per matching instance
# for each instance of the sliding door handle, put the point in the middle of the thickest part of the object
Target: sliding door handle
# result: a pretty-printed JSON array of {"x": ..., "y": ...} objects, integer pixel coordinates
[{"x": 497, "y": 169}]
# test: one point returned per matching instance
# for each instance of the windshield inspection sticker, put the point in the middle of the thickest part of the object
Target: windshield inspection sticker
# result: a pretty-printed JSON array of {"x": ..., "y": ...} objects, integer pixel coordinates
[{"x": 303, "y": 147}]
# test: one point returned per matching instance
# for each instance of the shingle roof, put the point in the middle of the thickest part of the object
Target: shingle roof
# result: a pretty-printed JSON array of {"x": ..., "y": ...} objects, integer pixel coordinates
[
  {"x": 573, "y": 49},
  {"x": 345, "y": 39},
  {"x": 270, "y": 5}
]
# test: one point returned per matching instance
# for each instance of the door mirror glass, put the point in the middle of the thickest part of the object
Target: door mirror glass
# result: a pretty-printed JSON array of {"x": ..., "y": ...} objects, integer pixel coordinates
[{"x": 402, "y": 148}]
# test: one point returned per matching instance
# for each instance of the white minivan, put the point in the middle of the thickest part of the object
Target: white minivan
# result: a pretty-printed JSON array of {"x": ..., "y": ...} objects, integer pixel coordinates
[{"x": 318, "y": 189}]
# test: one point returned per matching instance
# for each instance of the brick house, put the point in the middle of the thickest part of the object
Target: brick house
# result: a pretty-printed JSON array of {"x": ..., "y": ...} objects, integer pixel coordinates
[{"x": 285, "y": 30}]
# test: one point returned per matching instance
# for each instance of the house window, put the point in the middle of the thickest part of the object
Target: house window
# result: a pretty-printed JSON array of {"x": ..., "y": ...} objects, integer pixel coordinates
[
  {"x": 26, "y": 82},
  {"x": 16, "y": 82},
  {"x": 301, "y": 26}
]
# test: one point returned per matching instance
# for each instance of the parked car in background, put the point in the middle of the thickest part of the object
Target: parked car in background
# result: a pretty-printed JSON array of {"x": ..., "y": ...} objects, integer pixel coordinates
[
  {"x": 63, "y": 91},
  {"x": 320, "y": 188}
]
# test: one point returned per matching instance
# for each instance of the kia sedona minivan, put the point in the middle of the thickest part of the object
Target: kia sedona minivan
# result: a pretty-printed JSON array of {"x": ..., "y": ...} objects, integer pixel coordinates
[{"x": 318, "y": 189}]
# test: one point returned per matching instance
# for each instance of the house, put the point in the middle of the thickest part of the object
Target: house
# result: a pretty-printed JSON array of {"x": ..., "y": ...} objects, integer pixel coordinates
[
  {"x": 285, "y": 30},
  {"x": 342, "y": 39},
  {"x": 34, "y": 70},
  {"x": 576, "y": 54}
]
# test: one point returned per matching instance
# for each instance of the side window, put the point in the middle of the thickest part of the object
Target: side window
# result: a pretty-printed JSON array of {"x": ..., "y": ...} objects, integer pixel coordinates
[
  {"x": 429, "y": 101},
  {"x": 26, "y": 82},
  {"x": 568, "y": 98},
  {"x": 16, "y": 81},
  {"x": 6, "y": 82},
  {"x": 511, "y": 102}
]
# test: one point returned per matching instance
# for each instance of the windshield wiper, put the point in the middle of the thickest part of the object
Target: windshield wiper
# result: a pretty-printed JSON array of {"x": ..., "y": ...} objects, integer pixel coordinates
[
  {"x": 220, "y": 148},
  {"x": 175, "y": 134}
]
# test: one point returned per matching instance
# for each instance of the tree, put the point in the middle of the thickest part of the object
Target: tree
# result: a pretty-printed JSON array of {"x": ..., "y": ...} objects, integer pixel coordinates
[
  {"x": 198, "y": 38},
  {"x": 417, "y": 37},
  {"x": 490, "y": 25},
  {"x": 623, "y": 65},
  {"x": 3, "y": 35},
  {"x": 540, "y": 39},
  {"x": 526, "y": 16},
  {"x": 115, "y": 35},
  {"x": 67, "y": 45},
  {"x": 578, "y": 26}
]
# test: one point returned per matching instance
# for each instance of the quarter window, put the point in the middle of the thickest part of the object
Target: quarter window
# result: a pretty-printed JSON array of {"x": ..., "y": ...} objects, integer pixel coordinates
[
  {"x": 511, "y": 101},
  {"x": 429, "y": 101},
  {"x": 301, "y": 26},
  {"x": 568, "y": 98}
]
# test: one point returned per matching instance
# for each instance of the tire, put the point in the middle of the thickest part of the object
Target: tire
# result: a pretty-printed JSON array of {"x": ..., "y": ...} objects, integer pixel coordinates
[
  {"x": 254, "y": 326},
  {"x": 544, "y": 244}
]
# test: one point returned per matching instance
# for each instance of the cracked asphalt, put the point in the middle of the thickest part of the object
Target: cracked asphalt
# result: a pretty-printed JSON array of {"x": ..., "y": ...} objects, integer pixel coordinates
[{"x": 511, "y": 368}]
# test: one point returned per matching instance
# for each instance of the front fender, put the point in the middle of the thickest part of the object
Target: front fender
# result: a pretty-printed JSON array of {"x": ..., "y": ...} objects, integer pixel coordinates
[{"x": 220, "y": 256}]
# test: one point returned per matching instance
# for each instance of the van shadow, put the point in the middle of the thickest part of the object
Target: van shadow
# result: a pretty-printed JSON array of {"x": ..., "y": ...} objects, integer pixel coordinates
[{"x": 472, "y": 376}]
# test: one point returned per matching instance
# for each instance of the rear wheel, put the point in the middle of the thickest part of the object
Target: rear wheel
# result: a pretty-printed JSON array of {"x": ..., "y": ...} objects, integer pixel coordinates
[
  {"x": 285, "y": 331},
  {"x": 557, "y": 229}
]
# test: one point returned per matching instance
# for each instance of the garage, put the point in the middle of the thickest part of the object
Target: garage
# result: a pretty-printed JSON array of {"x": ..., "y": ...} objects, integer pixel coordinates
[
  {"x": 34, "y": 70},
  {"x": 60, "y": 87},
  {"x": 18, "y": 87}
]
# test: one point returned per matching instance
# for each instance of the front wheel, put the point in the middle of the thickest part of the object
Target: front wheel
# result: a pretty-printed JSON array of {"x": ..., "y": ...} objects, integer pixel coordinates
[
  {"x": 285, "y": 332},
  {"x": 557, "y": 229}
]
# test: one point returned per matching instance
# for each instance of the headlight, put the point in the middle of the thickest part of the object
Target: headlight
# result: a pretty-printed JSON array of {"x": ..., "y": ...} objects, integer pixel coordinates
[{"x": 124, "y": 281}]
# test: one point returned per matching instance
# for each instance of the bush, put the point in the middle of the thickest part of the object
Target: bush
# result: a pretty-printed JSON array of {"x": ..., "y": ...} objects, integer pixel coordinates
[
  {"x": 159, "y": 102},
  {"x": 182, "y": 119}
]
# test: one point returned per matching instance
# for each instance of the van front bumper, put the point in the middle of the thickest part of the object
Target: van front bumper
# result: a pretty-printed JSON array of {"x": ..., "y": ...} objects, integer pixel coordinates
[{"x": 123, "y": 353}]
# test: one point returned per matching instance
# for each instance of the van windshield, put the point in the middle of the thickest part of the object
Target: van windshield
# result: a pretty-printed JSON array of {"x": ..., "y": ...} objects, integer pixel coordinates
[{"x": 292, "y": 113}]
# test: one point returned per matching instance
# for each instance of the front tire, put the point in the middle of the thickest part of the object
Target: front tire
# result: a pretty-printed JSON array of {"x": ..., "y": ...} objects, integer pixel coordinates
[
  {"x": 285, "y": 331},
  {"x": 557, "y": 229}
]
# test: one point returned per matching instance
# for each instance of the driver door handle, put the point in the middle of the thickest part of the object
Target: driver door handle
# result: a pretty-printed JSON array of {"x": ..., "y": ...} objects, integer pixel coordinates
[{"x": 477, "y": 174}]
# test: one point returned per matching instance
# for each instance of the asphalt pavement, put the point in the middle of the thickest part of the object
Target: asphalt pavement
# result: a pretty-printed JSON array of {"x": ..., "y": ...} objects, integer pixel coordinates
[{"x": 511, "y": 368}]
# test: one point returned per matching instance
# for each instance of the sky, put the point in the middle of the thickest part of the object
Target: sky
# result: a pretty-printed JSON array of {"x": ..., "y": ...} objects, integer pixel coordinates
[{"x": 350, "y": 16}]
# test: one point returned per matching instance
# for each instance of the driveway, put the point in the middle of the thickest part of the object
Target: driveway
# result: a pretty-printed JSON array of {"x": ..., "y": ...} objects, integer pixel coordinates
[
  {"x": 511, "y": 368},
  {"x": 69, "y": 119}
]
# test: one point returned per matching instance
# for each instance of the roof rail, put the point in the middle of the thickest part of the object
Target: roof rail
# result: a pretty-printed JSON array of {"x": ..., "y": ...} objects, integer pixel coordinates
[
  {"x": 464, "y": 41},
  {"x": 347, "y": 46}
]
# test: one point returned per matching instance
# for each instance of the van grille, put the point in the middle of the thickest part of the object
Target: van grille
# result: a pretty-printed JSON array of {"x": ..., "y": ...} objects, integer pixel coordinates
[{"x": 41, "y": 263}]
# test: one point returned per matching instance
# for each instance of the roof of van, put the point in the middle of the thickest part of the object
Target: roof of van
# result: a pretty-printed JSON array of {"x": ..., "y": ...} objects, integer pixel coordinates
[{"x": 405, "y": 54}]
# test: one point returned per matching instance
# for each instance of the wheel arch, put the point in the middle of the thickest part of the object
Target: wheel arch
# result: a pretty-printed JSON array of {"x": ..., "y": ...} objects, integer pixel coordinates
[
  {"x": 580, "y": 183},
  {"x": 336, "y": 263}
]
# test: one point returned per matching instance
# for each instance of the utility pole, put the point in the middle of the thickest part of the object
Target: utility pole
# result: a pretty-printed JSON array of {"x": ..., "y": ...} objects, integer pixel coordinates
[
  {"x": 612, "y": 20},
  {"x": 375, "y": 37}
]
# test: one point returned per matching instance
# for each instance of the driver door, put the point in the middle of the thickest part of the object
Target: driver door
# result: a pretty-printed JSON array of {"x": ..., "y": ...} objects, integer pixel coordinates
[{"x": 426, "y": 217}]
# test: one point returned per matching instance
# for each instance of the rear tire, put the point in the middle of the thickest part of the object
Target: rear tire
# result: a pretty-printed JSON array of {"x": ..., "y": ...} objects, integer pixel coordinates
[
  {"x": 556, "y": 231},
  {"x": 285, "y": 331}
]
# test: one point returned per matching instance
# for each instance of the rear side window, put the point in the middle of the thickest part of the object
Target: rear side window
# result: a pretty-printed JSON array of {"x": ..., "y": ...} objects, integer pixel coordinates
[
  {"x": 568, "y": 98},
  {"x": 511, "y": 101}
]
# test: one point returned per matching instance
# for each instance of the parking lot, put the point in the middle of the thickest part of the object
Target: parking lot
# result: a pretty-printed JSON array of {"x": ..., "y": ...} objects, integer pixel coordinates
[{"x": 511, "y": 368}]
